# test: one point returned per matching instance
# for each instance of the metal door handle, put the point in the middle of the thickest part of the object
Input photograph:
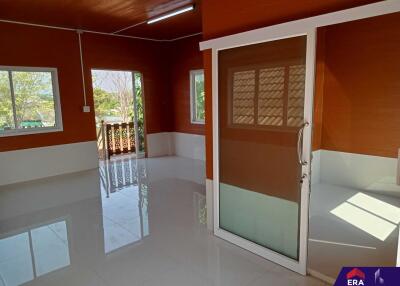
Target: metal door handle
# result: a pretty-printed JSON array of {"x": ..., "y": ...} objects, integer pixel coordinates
[{"x": 300, "y": 144}]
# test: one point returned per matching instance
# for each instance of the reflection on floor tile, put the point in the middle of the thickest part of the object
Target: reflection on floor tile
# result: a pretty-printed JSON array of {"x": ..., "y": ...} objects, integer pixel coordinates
[
  {"x": 33, "y": 253},
  {"x": 146, "y": 226}
]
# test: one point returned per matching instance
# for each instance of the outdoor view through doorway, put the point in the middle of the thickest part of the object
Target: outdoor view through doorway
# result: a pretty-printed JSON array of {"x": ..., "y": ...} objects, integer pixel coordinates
[{"x": 119, "y": 112}]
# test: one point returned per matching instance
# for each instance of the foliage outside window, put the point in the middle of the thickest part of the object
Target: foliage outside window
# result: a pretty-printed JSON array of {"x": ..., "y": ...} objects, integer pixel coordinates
[
  {"x": 197, "y": 96},
  {"x": 29, "y": 101}
]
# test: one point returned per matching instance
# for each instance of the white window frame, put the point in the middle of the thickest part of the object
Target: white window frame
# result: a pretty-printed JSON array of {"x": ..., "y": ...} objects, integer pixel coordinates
[
  {"x": 56, "y": 98},
  {"x": 193, "y": 104}
]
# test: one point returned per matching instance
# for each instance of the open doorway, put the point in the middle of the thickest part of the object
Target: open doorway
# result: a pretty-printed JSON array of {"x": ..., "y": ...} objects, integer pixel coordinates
[
  {"x": 355, "y": 193},
  {"x": 119, "y": 113}
]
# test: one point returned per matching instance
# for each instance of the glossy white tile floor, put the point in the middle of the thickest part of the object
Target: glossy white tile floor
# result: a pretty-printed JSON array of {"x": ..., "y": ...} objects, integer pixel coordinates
[
  {"x": 143, "y": 224},
  {"x": 335, "y": 241}
]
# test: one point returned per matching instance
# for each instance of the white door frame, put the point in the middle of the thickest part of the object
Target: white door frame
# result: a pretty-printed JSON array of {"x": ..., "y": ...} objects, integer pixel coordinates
[
  {"x": 300, "y": 265},
  {"x": 307, "y": 27}
]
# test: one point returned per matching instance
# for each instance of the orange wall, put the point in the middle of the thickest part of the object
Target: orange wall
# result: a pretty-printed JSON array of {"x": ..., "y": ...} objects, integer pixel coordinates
[
  {"x": 104, "y": 52},
  {"x": 360, "y": 104},
  {"x": 40, "y": 47},
  {"x": 207, "y": 58},
  {"x": 184, "y": 56},
  {"x": 224, "y": 17}
]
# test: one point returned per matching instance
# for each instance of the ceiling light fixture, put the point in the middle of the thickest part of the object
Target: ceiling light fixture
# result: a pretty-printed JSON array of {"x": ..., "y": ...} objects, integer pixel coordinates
[{"x": 171, "y": 14}]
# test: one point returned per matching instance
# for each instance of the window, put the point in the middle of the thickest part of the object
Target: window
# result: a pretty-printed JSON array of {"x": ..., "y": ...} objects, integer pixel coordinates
[
  {"x": 29, "y": 101},
  {"x": 270, "y": 97},
  {"x": 197, "y": 96}
]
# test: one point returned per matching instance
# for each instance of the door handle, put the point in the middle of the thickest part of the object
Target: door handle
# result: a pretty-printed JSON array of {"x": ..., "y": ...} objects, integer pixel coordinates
[{"x": 300, "y": 144}]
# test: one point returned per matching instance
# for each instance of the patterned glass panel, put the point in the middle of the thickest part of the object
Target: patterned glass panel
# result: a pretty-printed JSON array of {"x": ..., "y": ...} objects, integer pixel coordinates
[
  {"x": 296, "y": 95},
  {"x": 270, "y": 96},
  {"x": 244, "y": 88}
]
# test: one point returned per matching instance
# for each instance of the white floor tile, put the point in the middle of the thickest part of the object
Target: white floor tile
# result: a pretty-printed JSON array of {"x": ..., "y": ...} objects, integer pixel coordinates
[{"x": 146, "y": 228}]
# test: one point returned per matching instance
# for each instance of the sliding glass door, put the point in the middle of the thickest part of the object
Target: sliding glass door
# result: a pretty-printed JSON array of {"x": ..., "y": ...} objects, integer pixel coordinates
[{"x": 263, "y": 148}]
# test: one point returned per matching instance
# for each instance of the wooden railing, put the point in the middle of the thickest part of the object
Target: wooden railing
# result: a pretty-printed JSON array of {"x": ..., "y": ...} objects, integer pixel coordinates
[
  {"x": 120, "y": 138},
  {"x": 117, "y": 138}
]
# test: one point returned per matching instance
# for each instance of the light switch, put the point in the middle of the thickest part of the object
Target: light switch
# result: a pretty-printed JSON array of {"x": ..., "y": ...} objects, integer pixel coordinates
[{"x": 86, "y": 108}]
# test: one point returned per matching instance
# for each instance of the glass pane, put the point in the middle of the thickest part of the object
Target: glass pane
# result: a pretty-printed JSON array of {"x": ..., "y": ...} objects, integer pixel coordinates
[
  {"x": 243, "y": 94},
  {"x": 199, "y": 89},
  {"x": 261, "y": 95},
  {"x": 271, "y": 96},
  {"x": 34, "y": 99},
  {"x": 296, "y": 90},
  {"x": 6, "y": 110}
]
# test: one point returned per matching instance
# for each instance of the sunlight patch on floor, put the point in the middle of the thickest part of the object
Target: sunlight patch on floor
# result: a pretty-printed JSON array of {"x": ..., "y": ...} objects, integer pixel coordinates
[
  {"x": 377, "y": 207},
  {"x": 364, "y": 220}
]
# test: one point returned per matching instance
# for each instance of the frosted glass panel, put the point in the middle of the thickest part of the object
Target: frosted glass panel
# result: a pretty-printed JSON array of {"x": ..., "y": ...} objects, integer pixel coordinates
[{"x": 246, "y": 214}]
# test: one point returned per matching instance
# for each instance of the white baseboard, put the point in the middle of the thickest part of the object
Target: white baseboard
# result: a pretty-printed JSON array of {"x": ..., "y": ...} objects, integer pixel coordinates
[
  {"x": 36, "y": 163},
  {"x": 210, "y": 204},
  {"x": 321, "y": 276},
  {"x": 316, "y": 167},
  {"x": 357, "y": 171},
  {"x": 176, "y": 143},
  {"x": 189, "y": 145},
  {"x": 159, "y": 144}
]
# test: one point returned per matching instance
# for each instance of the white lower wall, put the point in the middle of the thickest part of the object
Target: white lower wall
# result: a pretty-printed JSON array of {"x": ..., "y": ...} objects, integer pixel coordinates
[
  {"x": 176, "y": 143},
  {"x": 316, "y": 167},
  {"x": 36, "y": 163},
  {"x": 356, "y": 171},
  {"x": 159, "y": 144},
  {"x": 189, "y": 145},
  {"x": 210, "y": 204}
]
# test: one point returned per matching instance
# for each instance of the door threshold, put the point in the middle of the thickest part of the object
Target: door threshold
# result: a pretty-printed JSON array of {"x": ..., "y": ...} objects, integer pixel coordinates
[{"x": 320, "y": 276}]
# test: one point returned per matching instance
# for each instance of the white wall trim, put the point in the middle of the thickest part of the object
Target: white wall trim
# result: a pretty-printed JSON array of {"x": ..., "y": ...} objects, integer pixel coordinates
[
  {"x": 176, "y": 143},
  {"x": 209, "y": 204},
  {"x": 298, "y": 26},
  {"x": 316, "y": 167},
  {"x": 321, "y": 276},
  {"x": 189, "y": 145},
  {"x": 357, "y": 171},
  {"x": 159, "y": 144},
  {"x": 36, "y": 163}
]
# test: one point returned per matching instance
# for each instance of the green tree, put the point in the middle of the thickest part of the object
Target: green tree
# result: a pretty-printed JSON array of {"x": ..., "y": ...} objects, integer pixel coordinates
[
  {"x": 33, "y": 94},
  {"x": 6, "y": 112},
  {"x": 140, "y": 109},
  {"x": 105, "y": 104},
  {"x": 199, "y": 82}
]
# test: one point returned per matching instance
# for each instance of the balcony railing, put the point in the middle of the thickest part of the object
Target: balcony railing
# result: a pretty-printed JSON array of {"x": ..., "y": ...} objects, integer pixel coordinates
[{"x": 116, "y": 138}]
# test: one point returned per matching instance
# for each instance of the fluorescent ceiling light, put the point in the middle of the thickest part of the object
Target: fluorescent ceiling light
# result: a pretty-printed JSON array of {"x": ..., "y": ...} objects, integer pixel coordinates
[{"x": 171, "y": 14}]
